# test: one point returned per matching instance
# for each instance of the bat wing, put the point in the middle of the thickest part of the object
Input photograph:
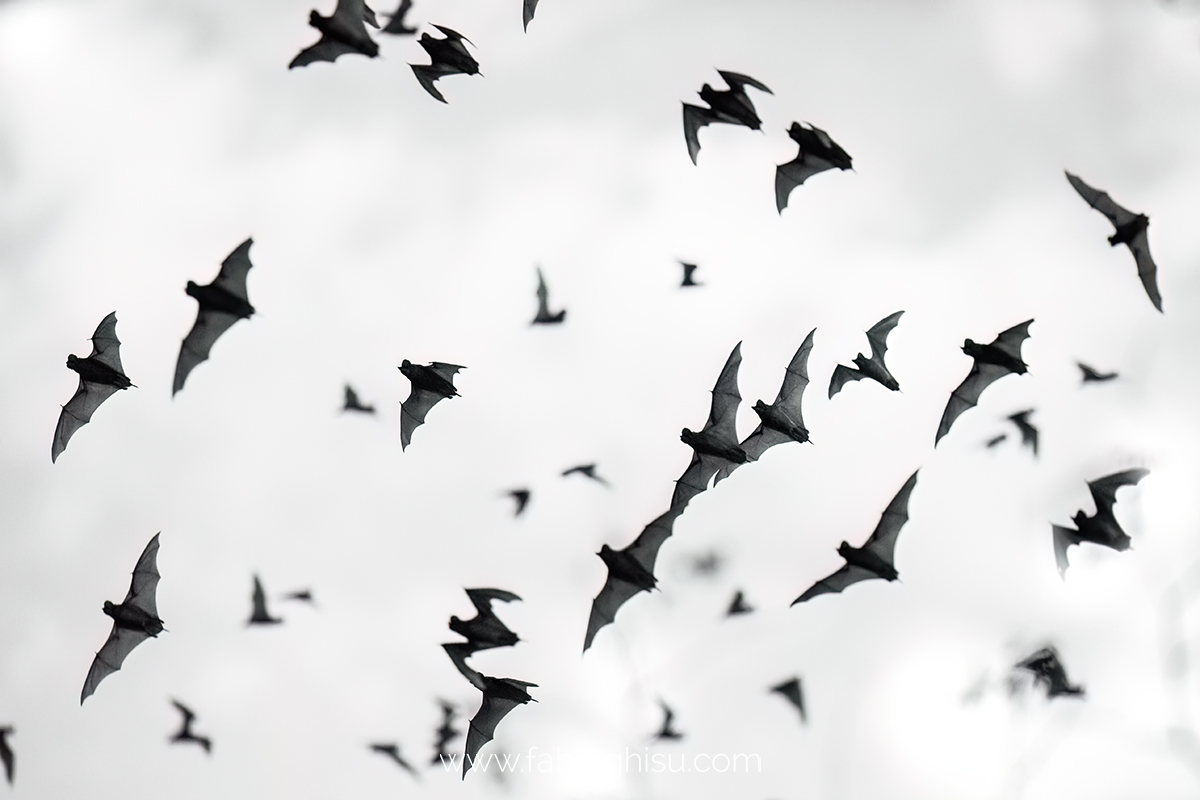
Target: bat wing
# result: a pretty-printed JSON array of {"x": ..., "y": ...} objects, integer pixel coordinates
[
  {"x": 1104, "y": 490},
  {"x": 78, "y": 412},
  {"x": 877, "y": 336},
  {"x": 144, "y": 587},
  {"x": 738, "y": 82},
  {"x": 1029, "y": 434},
  {"x": 326, "y": 49},
  {"x": 793, "y": 690},
  {"x": 1063, "y": 538},
  {"x": 428, "y": 73},
  {"x": 645, "y": 547},
  {"x": 232, "y": 277},
  {"x": 396, "y": 23},
  {"x": 188, "y": 714},
  {"x": 967, "y": 394},
  {"x": 1100, "y": 201},
  {"x": 696, "y": 477},
  {"x": 795, "y": 172},
  {"x": 846, "y": 576},
  {"x": 1010, "y": 341},
  {"x": 755, "y": 445},
  {"x": 106, "y": 347},
  {"x": 527, "y": 10},
  {"x": 841, "y": 376},
  {"x": 1147, "y": 271},
  {"x": 459, "y": 652},
  {"x": 722, "y": 415},
  {"x": 210, "y": 324},
  {"x": 695, "y": 118},
  {"x": 494, "y": 708},
  {"x": 482, "y": 598},
  {"x": 413, "y": 411},
  {"x": 882, "y": 541},
  {"x": 6, "y": 754},
  {"x": 444, "y": 370},
  {"x": 119, "y": 644},
  {"x": 795, "y": 380}
]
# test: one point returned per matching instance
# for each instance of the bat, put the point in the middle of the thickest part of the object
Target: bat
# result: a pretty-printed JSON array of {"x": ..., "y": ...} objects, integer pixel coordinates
[
  {"x": 100, "y": 377},
  {"x": 1029, "y": 434},
  {"x": 995, "y": 440},
  {"x": 707, "y": 564},
  {"x": 667, "y": 730},
  {"x": 500, "y": 696},
  {"x": 522, "y": 498},
  {"x": 185, "y": 731},
  {"x": 222, "y": 303},
  {"x": 818, "y": 153},
  {"x": 872, "y": 367},
  {"x": 304, "y": 595},
  {"x": 588, "y": 471},
  {"x": 342, "y": 32},
  {"x": 396, "y": 24},
  {"x": 731, "y": 106},
  {"x": 134, "y": 621},
  {"x": 1090, "y": 375},
  {"x": 992, "y": 362},
  {"x": 369, "y": 16},
  {"x": 259, "y": 614},
  {"x": 876, "y": 558},
  {"x": 392, "y": 751},
  {"x": 352, "y": 403},
  {"x": 6, "y": 753},
  {"x": 1102, "y": 527},
  {"x": 447, "y": 56},
  {"x": 445, "y": 733},
  {"x": 629, "y": 571},
  {"x": 1130, "y": 231},
  {"x": 429, "y": 385},
  {"x": 715, "y": 447},
  {"x": 544, "y": 317},
  {"x": 485, "y": 630},
  {"x": 1048, "y": 671},
  {"x": 738, "y": 605},
  {"x": 793, "y": 690},
  {"x": 527, "y": 10},
  {"x": 688, "y": 271}
]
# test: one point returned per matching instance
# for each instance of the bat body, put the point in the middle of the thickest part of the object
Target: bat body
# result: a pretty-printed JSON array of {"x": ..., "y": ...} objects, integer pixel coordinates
[
  {"x": 689, "y": 270},
  {"x": 818, "y": 153},
  {"x": 500, "y": 696},
  {"x": 992, "y": 362},
  {"x": 100, "y": 377},
  {"x": 587, "y": 470},
  {"x": 1091, "y": 375},
  {"x": 392, "y": 751},
  {"x": 134, "y": 621},
  {"x": 544, "y": 317},
  {"x": 731, "y": 106},
  {"x": 521, "y": 496},
  {"x": 1029, "y": 434},
  {"x": 447, "y": 56},
  {"x": 738, "y": 605},
  {"x": 429, "y": 385},
  {"x": 445, "y": 733},
  {"x": 872, "y": 367},
  {"x": 352, "y": 403},
  {"x": 876, "y": 558},
  {"x": 667, "y": 730},
  {"x": 1130, "y": 231},
  {"x": 527, "y": 10},
  {"x": 1102, "y": 527},
  {"x": 6, "y": 754},
  {"x": 793, "y": 691},
  {"x": 396, "y": 24},
  {"x": 1048, "y": 671},
  {"x": 485, "y": 630},
  {"x": 342, "y": 32},
  {"x": 258, "y": 613},
  {"x": 185, "y": 733},
  {"x": 715, "y": 448},
  {"x": 222, "y": 303}
]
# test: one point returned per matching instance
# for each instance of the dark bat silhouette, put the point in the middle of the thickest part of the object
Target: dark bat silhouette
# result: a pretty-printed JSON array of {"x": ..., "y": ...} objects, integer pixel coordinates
[
  {"x": 1102, "y": 527},
  {"x": 222, "y": 303},
  {"x": 872, "y": 367},
  {"x": 259, "y": 614},
  {"x": 447, "y": 56},
  {"x": 587, "y": 470},
  {"x": 1090, "y": 375},
  {"x": 667, "y": 730},
  {"x": 876, "y": 558},
  {"x": 485, "y": 630},
  {"x": 1048, "y": 671},
  {"x": 500, "y": 696},
  {"x": 731, "y": 106},
  {"x": 100, "y": 377},
  {"x": 185, "y": 731},
  {"x": 527, "y": 9},
  {"x": 992, "y": 362},
  {"x": 1029, "y": 434},
  {"x": 688, "y": 271},
  {"x": 818, "y": 153},
  {"x": 629, "y": 571},
  {"x": 429, "y": 385},
  {"x": 392, "y": 751},
  {"x": 303, "y": 595},
  {"x": 369, "y": 16},
  {"x": 707, "y": 564},
  {"x": 134, "y": 621},
  {"x": 544, "y": 317},
  {"x": 793, "y": 690},
  {"x": 715, "y": 447},
  {"x": 6, "y": 754},
  {"x": 342, "y": 32},
  {"x": 445, "y": 733},
  {"x": 396, "y": 24},
  {"x": 995, "y": 440},
  {"x": 352, "y": 403},
  {"x": 1130, "y": 231},
  {"x": 738, "y": 605},
  {"x": 522, "y": 497}
]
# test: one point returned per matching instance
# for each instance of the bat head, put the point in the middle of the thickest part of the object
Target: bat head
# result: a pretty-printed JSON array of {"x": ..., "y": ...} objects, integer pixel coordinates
[
  {"x": 72, "y": 360},
  {"x": 193, "y": 287},
  {"x": 1125, "y": 232}
]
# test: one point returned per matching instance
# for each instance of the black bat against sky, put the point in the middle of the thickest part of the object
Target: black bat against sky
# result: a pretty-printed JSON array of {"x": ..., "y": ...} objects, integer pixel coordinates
[
  {"x": 342, "y": 32},
  {"x": 689, "y": 272},
  {"x": 872, "y": 367},
  {"x": 667, "y": 730},
  {"x": 396, "y": 25},
  {"x": 738, "y": 605},
  {"x": 353, "y": 403},
  {"x": 485, "y": 630},
  {"x": 992, "y": 362},
  {"x": 521, "y": 497},
  {"x": 135, "y": 620},
  {"x": 1102, "y": 527},
  {"x": 1048, "y": 671},
  {"x": 185, "y": 733},
  {"x": 528, "y": 8},
  {"x": 731, "y": 106},
  {"x": 543, "y": 316},
  {"x": 818, "y": 152},
  {"x": 586, "y": 470},
  {"x": 259, "y": 615},
  {"x": 444, "y": 734},
  {"x": 1029, "y": 434},
  {"x": 500, "y": 696},
  {"x": 715, "y": 447},
  {"x": 430, "y": 384},
  {"x": 447, "y": 56},
  {"x": 100, "y": 377},
  {"x": 222, "y": 303},
  {"x": 302, "y": 595},
  {"x": 6, "y": 754},
  {"x": 1091, "y": 375},
  {"x": 793, "y": 691},
  {"x": 392, "y": 751}
]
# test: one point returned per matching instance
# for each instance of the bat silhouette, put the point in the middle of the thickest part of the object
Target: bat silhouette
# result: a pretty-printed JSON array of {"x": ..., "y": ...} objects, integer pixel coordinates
[
  {"x": 445, "y": 733},
  {"x": 303, "y": 595},
  {"x": 447, "y": 56},
  {"x": 429, "y": 385},
  {"x": 222, "y": 303},
  {"x": 738, "y": 605},
  {"x": 992, "y": 362},
  {"x": 134, "y": 621},
  {"x": 6, "y": 754},
  {"x": 818, "y": 153},
  {"x": 1130, "y": 231},
  {"x": 259, "y": 614},
  {"x": 392, "y": 751},
  {"x": 995, "y": 440},
  {"x": 731, "y": 106},
  {"x": 1029, "y": 434},
  {"x": 185, "y": 733},
  {"x": 100, "y": 377},
  {"x": 688, "y": 271},
  {"x": 1048, "y": 671},
  {"x": 793, "y": 690},
  {"x": 522, "y": 498},
  {"x": 527, "y": 10},
  {"x": 1090, "y": 375},
  {"x": 485, "y": 630},
  {"x": 1102, "y": 527},
  {"x": 352, "y": 403},
  {"x": 872, "y": 367},
  {"x": 876, "y": 558},
  {"x": 707, "y": 564},
  {"x": 544, "y": 317},
  {"x": 396, "y": 24},
  {"x": 715, "y": 447},
  {"x": 587, "y": 470},
  {"x": 629, "y": 571},
  {"x": 342, "y": 32},
  {"x": 667, "y": 730},
  {"x": 500, "y": 696}
]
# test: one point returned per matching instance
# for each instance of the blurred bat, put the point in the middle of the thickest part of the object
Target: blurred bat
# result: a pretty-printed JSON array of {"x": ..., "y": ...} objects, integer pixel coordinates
[
  {"x": 667, "y": 730},
  {"x": 6, "y": 754},
  {"x": 1102, "y": 527},
  {"x": 1029, "y": 434},
  {"x": 522, "y": 498},
  {"x": 392, "y": 751},
  {"x": 872, "y": 367},
  {"x": 352, "y": 403},
  {"x": 688, "y": 271},
  {"x": 303, "y": 595},
  {"x": 100, "y": 377},
  {"x": 430, "y": 385},
  {"x": 738, "y": 605},
  {"x": 134, "y": 621},
  {"x": 818, "y": 153},
  {"x": 185, "y": 731},
  {"x": 731, "y": 106},
  {"x": 544, "y": 317},
  {"x": 222, "y": 303},
  {"x": 995, "y": 440},
  {"x": 588, "y": 471},
  {"x": 527, "y": 9},
  {"x": 1048, "y": 671},
  {"x": 447, "y": 56},
  {"x": 485, "y": 630},
  {"x": 342, "y": 32},
  {"x": 715, "y": 447},
  {"x": 992, "y": 362},
  {"x": 793, "y": 690},
  {"x": 707, "y": 564},
  {"x": 396, "y": 24},
  {"x": 259, "y": 614},
  {"x": 500, "y": 696},
  {"x": 1092, "y": 376},
  {"x": 1131, "y": 231},
  {"x": 876, "y": 558},
  {"x": 445, "y": 733}
]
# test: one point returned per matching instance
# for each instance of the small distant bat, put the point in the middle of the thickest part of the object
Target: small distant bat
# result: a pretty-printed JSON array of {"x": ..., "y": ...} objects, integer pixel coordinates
[
  {"x": 485, "y": 630},
  {"x": 715, "y": 447},
  {"x": 793, "y": 690},
  {"x": 544, "y": 317},
  {"x": 396, "y": 24},
  {"x": 876, "y": 558},
  {"x": 342, "y": 32},
  {"x": 587, "y": 470},
  {"x": 259, "y": 614},
  {"x": 528, "y": 7},
  {"x": 500, "y": 696},
  {"x": 430, "y": 385},
  {"x": 185, "y": 731},
  {"x": 100, "y": 377},
  {"x": 392, "y": 751},
  {"x": 707, "y": 564},
  {"x": 1102, "y": 527},
  {"x": 731, "y": 106},
  {"x": 6, "y": 754},
  {"x": 872, "y": 367},
  {"x": 134, "y": 621},
  {"x": 521, "y": 496},
  {"x": 1049, "y": 672},
  {"x": 222, "y": 303},
  {"x": 303, "y": 595},
  {"x": 995, "y": 440},
  {"x": 352, "y": 403},
  {"x": 1090, "y": 375},
  {"x": 818, "y": 153},
  {"x": 1029, "y": 434},
  {"x": 992, "y": 362},
  {"x": 688, "y": 271},
  {"x": 447, "y": 56},
  {"x": 1131, "y": 231},
  {"x": 738, "y": 605},
  {"x": 667, "y": 730},
  {"x": 445, "y": 733}
]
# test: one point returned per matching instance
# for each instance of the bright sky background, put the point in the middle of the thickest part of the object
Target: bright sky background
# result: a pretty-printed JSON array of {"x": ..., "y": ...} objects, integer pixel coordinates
[{"x": 141, "y": 141}]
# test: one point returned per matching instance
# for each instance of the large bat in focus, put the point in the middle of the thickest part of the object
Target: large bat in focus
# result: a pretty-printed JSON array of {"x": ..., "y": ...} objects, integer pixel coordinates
[
  {"x": 500, "y": 696},
  {"x": 818, "y": 152},
  {"x": 731, "y": 106},
  {"x": 342, "y": 32},
  {"x": 430, "y": 385},
  {"x": 872, "y": 367},
  {"x": 1102, "y": 527},
  {"x": 992, "y": 362},
  {"x": 448, "y": 56},
  {"x": 222, "y": 303},
  {"x": 715, "y": 447},
  {"x": 100, "y": 377}
]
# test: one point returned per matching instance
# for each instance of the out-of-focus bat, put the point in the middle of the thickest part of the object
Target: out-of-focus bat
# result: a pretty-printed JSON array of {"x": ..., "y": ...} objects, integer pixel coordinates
[
  {"x": 793, "y": 690},
  {"x": 730, "y": 106},
  {"x": 259, "y": 614},
  {"x": 500, "y": 696},
  {"x": 485, "y": 630},
  {"x": 185, "y": 733},
  {"x": 6, "y": 754},
  {"x": 715, "y": 447},
  {"x": 738, "y": 605},
  {"x": 303, "y": 595},
  {"x": 818, "y": 153},
  {"x": 527, "y": 9},
  {"x": 1029, "y": 434},
  {"x": 100, "y": 377},
  {"x": 342, "y": 32},
  {"x": 1048, "y": 671},
  {"x": 689, "y": 270},
  {"x": 707, "y": 564},
  {"x": 544, "y": 317},
  {"x": 222, "y": 303},
  {"x": 521, "y": 496},
  {"x": 1131, "y": 231},
  {"x": 396, "y": 24},
  {"x": 445, "y": 733},
  {"x": 134, "y": 621},
  {"x": 447, "y": 56},
  {"x": 876, "y": 558},
  {"x": 667, "y": 730},
  {"x": 992, "y": 362},
  {"x": 429, "y": 385},
  {"x": 392, "y": 751},
  {"x": 352, "y": 403},
  {"x": 872, "y": 367},
  {"x": 587, "y": 470},
  {"x": 995, "y": 440},
  {"x": 1102, "y": 527},
  {"x": 1090, "y": 375}
]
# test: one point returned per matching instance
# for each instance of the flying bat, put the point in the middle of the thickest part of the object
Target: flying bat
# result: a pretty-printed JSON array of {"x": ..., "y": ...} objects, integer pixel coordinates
[
  {"x": 100, "y": 377},
  {"x": 6, "y": 754},
  {"x": 876, "y": 558},
  {"x": 992, "y": 362},
  {"x": 352, "y": 403},
  {"x": 872, "y": 367},
  {"x": 429, "y": 385},
  {"x": 1048, "y": 671},
  {"x": 342, "y": 32},
  {"x": 222, "y": 303},
  {"x": 485, "y": 630},
  {"x": 447, "y": 56},
  {"x": 134, "y": 621},
  {"x": 544, "y": 317},
  {"x": 185, "y": 731},
  {"x": 1130, "y": 231},
  {"x": 500, "y": 696},
  {"x": 818, "y": 153},
  {"x": 707, "y": 564},
  {"x": 731, "y": 106},
  {"x": 392, "y": 751},
  {"x": 521, "y": 496},
  {"x": 1029, "y": 434},
  {"x": 793, "y": 690},
  {"x": 303, "y": 595},
  {"x": 689, "y": 270},
  {"x": 587, "y": 470},
  {"x": 715, "y": 447},
  {"x": 396, "y": 24},
  {"x": 1102, "y": 527},
  {"x": 259, "y": 614},
  {"x": 445, "y": 733},
  {"x": 1090, "y": 375},
  {"x": 527, "y": 9},
  {"x": 667, "y": 730},
  {"x": 738, "y": 605},
  {"x": 995, "y": 440}
]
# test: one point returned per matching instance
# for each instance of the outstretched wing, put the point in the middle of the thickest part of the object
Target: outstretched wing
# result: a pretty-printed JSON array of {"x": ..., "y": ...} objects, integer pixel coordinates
[
  {"x": 738, "y": 82},
  {"x": 846, "y": 576},
  {"x": 697, "y": 476},
  {"x": 795, "y": 172},
  {"x": 527, "y": 10},
  {"x": 428, "y": 73},
  {"x": 695, "y": 118},
  {"x": 501, "y": 696},
  {"x": 722, "y": 416},
  {"x": 144, "y": 586},
  {"x": 1104, "y": 490},
  {"x": 210, "y": 324},
  {"x": 841, "y": 376},
  {"x": 78, "y": 412},
  {"x": 459, "y": 652},
  {"x": 118, "y": 645},
  {"x": 326, "y": 49},
  {"x": 981, "y": 376},
  {"x": 232, "y": 277},
  {"x": 1139, "y": 245},
  {"x": 1100, "y": 201},
  {"x": 482, "y": 598},
  {"x": 413, "y": 411},
  {"x": 1063, "y": 538},
  {"x": 877, "y": 336},
  {"x": 1009, "y": 342},
  {"x": 444, "y": 370},
  {"x": 882, "y": 541},
  {"x": 106, "y": 347},
  {"x": 1029, "y": 434}
]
